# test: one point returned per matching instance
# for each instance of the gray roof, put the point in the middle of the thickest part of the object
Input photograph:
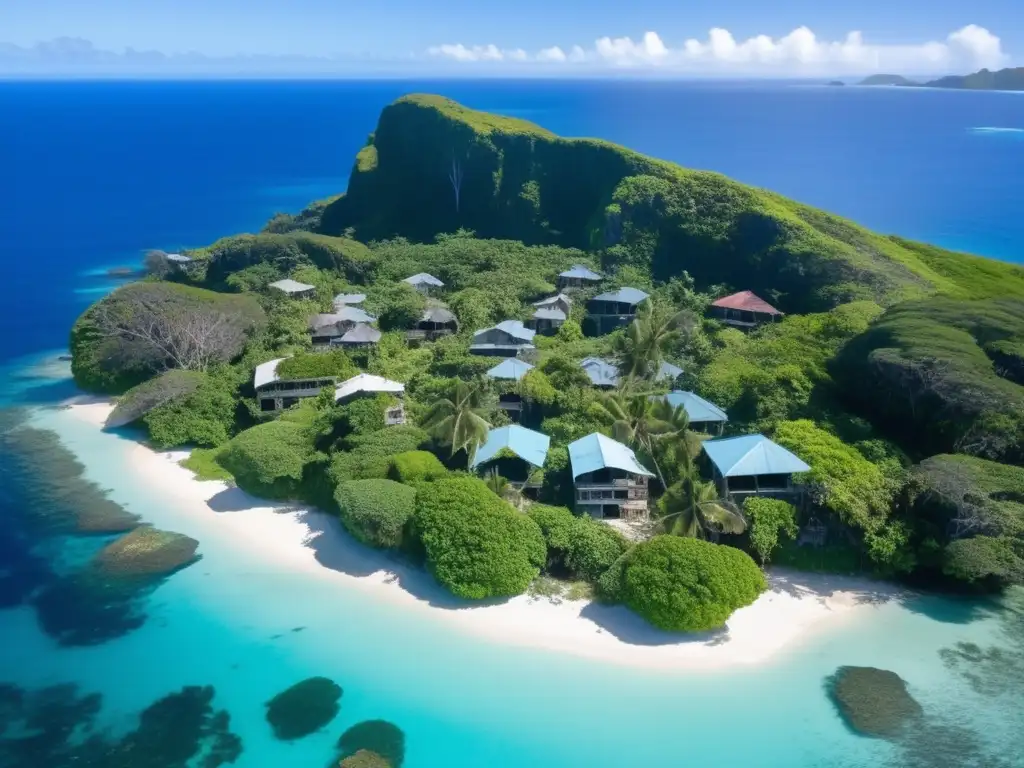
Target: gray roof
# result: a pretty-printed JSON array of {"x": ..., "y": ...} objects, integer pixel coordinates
[
  {"x": 545, "y": 313},
  {"x": 511, "y": 349},
  {"x": 423, "y": 278},
  {"x": 438, "y": 315},
  {"x": 558, "y": 297},
  {"x": 601, "y": 372},
  {"x": 344, "y": 314},
  {"x": 361, "y": 334},
  {"x": 696, "y": 407},
  {"x": 266, "y": 373},
  {"x": 513, "y": 328},
  {"x": 623, "y": 296},
  {"x": 349, "y": 298},
  {"x": 596, "y": 451},
  {"x": 292, "y": 286},
  {"x": 581, "y": 272},
  {"x": 669, "y": 371}
]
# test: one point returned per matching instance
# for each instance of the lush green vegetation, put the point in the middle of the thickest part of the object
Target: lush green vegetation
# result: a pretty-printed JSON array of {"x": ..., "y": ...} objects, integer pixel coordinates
[
  {"x": 685, "y": 584},
  {"x": 476, "y": 544},
  {"x": 1009, "y": 79},
  {"x": 890, "y": 352}
]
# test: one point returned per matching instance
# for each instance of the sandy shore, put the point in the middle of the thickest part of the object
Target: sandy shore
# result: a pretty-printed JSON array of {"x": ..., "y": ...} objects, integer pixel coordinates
[{"x": 797, "y": 606}]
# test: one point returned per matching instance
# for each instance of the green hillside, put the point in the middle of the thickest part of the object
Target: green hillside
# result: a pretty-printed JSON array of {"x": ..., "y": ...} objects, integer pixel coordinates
[{"x": 521, "y": 182}]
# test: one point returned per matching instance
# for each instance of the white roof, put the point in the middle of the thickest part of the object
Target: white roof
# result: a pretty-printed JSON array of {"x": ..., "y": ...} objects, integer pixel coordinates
[
  {"x": 292, "y": 286},
  {"x": 366, "y": 382},
  {"x": 266, "y": 373},
  {"x": 422, "y": 278}
]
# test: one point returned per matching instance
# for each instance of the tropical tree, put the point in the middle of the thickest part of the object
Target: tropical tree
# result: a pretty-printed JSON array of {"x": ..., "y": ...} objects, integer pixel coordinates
[
  {"x": 694, "y": 508},
  {"x": 652, "y": 427},
  {"x": 459, "y": 420},
  {"x": 655, "y": 330}
]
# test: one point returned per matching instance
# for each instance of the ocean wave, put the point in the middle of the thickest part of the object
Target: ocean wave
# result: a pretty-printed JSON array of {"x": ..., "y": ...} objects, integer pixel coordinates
[{"x": 997, "y": 129}]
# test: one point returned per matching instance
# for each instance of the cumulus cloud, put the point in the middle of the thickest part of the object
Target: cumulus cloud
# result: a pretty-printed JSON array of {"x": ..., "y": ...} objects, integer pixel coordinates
[{"x": 799, "y": 52}]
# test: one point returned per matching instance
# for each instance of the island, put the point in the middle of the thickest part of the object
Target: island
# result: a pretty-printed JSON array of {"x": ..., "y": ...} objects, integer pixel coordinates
[
  {"x": 524, "y": 363},
  {"x": 836, "y": 83},
  {"x": 1009, "y": 79},
  {"x": 886, "y": 80}
]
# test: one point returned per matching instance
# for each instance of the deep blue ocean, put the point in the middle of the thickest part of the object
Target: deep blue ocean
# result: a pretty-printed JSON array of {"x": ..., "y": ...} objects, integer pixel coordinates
[{"x": 94, "y": 174}]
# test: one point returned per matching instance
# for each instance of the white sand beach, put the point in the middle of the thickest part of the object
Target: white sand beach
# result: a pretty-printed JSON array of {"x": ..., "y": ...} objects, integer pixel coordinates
[{"x": 797, "y": 606}]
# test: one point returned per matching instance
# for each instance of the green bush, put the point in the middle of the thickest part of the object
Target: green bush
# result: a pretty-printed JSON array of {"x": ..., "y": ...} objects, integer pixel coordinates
[
  {"x": 141, "y": 399},
  {"x": 556, "y": 525},
  {"x": 689, "y": 585},
  {"x": 376, "y": 511},
  {"x": 311, "y": 365},
  {"x": 476, "y": 544},
  {"x": 268, "y": 460},
  {"x": 593, "y": 548},
  {"x": 413, "y": 466},
  {"x": 368, "y": 456},
  {"x": 398, "y": 306},
  {"x": 768, "y": 519},
  {"x": 206, "y": 417},
  {"x": 987, "y": 562}
]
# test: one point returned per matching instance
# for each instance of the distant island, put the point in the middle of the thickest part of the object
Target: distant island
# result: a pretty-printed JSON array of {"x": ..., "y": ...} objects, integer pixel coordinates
[
  {"x": 836, "y": 82},
  {"x": 1010, "y": 79}
]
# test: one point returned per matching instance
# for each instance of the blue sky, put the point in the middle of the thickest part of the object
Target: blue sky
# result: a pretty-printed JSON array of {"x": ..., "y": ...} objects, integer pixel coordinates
[{"x": 559, "y": 37}]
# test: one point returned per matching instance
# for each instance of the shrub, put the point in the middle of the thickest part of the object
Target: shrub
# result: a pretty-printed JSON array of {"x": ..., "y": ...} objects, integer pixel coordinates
[
  {"x": 205, "y": 417},
  {"x": 476, "y": 544},
  {"x": 268, "y": 460},
  {"x": 398, "y": 306},
  {"x": 412, "y": 466},
  {"x": 141, "y": 399},
  {"x": 768, "y": 519},
  {"x": 368, "y": 456},
  {"x": 689, "y": 585},
  {"x": 304, "y": 708},
  {"x": 334, "y": 362},
  {"x": 376, "y": 511},
  {"x": 593, "y": 548},
  {"x": 988, "y": 562},
  {"x": 556, "y": 524}
]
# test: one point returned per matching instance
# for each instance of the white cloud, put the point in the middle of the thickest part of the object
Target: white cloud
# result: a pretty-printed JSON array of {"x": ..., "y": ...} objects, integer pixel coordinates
[{"x": 799, "y": 52}]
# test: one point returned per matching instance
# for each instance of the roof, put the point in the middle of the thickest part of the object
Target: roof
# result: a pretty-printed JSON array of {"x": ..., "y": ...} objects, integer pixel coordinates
[
  {"x": 528, "y": 445},
  {"x": 361, "y": 334},
  {"x": 669, "y": 371},
  {"x": 513, "y": 328},
  {"x": 178, "y": 258},
  {"x": 292, "y": 286},
  {"x": 623, "y": 295},
  {"x": 510, "y": 369},
  {"x": 349, "y": 298},
  {"x": 581, "y": 272},
  {"x": 696, "y": 407},
  {"x": 752, "y": 455},
  {"x": 596, "y": 451},
  {"x": 512, "y": 348},
  {"x": 438, "y": 315},
  {"x": 747, "y": 301},
  {"x": 345, "y": 314},
  {"x": 266, "y": 373},
  {"x": 558, "y": 297},
  {"x": 601, "y": 372},
  {"x": 366, "y": 382},
  {"x": 545, "y": 313},
  {"x": 423, "y": 278}
]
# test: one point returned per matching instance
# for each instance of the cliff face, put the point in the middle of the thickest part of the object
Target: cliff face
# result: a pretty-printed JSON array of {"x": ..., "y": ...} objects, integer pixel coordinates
[{"x": 434, "y": 166}]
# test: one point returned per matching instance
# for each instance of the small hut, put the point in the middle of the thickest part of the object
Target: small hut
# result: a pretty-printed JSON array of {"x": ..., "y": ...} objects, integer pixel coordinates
[
  {"x": 359, "y": 337},
  {"x": 753, "y": 465},
  {"x": 610, "y": 482},
  {"x": 348, "y": 300},
  {"x": 425, "y": 283},
  {"x": 704, "y": 416},
  {"x": 602, "y": 373},
  {"x": 578, "y": 276},
  {"x": 327, "y": 329},
  {"x": 513, "y": 370},
  {"x": 368, "y": 385},
  {"x": 506, "y": 339},
  {"x": 294, "y": 289},
  {"x": 516, "y": 453},
  {"x": 614, "y": 309},
  {"x": 435, "y": 323},
  {"x": 744, "y": 310},
  {"x": 275, "y": 393}
]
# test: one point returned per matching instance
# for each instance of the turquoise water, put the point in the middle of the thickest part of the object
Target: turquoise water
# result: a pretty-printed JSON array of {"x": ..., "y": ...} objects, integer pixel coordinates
[{"x": 228, "y": 621}]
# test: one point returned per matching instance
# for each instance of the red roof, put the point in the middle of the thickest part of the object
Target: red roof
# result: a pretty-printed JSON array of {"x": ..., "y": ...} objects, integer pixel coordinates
[{"x": 747, "y": 301}]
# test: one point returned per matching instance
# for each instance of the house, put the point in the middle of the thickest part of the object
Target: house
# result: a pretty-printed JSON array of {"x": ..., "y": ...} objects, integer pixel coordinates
[
  {"x": 435, "y": 323},
  {"x": 424, "y": 283},
  {"x": 753, "y": 465},
  {"x": 506, "y": 339},
  {"x": 614, "y": 309},
  {"x": 558, "y": 301},
  {"x": 514, "y": 370},
  {"x": 610, "y": 482},
  {"x": 348, "y": 299},
  {"x": 744, "y": 310},
  {"x": 601, "y": 372},
  {"x": 704, "y": 416},
  {"x": 294, "y": 289},
  {"x": 578, "y": 277},
  {"x": 326, "y": 329},
  {"x": 360, "y": 336},
  {"x": 515, "y": 452},
  {"x": 547, "y": 320},
  {"x": 275, "y": 394},
  {"x": 668, "y": 372},
  {"x": 368, "y": 385}
]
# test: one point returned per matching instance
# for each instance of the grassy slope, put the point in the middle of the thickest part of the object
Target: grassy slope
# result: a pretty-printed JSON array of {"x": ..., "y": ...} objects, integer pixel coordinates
[{"x": 520, "y": 181}]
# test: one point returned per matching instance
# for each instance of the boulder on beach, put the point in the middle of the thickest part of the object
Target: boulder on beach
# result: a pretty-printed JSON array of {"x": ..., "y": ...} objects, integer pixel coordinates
[
  {"x": 146, "y": 552},
  {"x": 304, "y": 708},
  {"x": 874, "y": 702}
]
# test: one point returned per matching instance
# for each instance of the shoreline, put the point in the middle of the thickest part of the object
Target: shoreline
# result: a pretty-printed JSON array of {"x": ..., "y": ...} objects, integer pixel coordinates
[{"x": 796, "y": 608}]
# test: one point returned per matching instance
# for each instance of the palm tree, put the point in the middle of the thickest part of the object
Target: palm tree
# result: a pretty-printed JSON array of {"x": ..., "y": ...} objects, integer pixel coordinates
[
  {"x": 459, "y": 420},
  {"x": 693, "y": 508},
  {"x": 654, "y": 330},
  {"x": 651, "y": 426}
]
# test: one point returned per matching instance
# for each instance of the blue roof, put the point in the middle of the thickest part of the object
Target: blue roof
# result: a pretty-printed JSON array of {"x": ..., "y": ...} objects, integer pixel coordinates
[
  {"x": 528, "y": 445},
  {"x": 752, "y": 455},
  {"x": 623, "y": 295},
  {"x": 669, "y": 371},
  {"x": 581, "y": 272},
  {"x": 595, "y": 451},
  {"x": 510, "y": 369},
  {"x": 601, "y": 372},
  {"x": 696, "y": 407}
]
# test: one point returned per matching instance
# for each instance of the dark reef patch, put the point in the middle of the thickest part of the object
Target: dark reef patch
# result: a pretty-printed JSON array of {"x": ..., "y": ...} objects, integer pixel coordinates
[
  {"x": 873, "y": 702},
  {"x": 304, "y": 708},
  {"x": 377, "y": 736}
]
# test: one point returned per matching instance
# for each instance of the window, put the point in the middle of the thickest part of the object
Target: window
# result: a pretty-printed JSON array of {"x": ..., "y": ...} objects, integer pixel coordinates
[
  {"x": 622, "y": 494},
  {"x": 584, "y": 495},
  {"x": 606, "y": 494}
]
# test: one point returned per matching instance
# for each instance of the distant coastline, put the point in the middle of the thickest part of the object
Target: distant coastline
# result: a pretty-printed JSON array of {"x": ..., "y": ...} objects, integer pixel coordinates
[{"x": 1009, "y": 79}]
